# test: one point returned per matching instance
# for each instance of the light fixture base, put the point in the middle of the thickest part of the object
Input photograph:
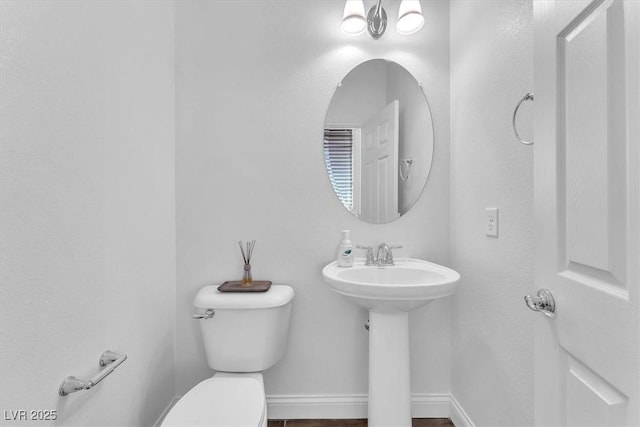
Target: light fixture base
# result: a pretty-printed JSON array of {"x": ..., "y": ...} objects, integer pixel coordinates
[{"x": 377, "y": 21}]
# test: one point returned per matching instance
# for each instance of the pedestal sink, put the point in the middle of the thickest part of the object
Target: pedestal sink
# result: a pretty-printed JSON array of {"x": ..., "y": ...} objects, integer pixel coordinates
[{"x": 389, "y": 293}]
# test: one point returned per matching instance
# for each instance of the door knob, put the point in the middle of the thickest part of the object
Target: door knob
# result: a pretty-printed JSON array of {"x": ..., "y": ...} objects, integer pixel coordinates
[{"x": 543, "y": 302}]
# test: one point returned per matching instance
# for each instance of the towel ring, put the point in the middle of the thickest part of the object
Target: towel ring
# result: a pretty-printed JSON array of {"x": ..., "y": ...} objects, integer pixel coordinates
[{"x": 526, "y": 97}]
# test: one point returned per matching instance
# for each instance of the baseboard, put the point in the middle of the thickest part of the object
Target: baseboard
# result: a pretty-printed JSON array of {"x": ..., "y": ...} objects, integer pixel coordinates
[
  {"x": 458, "y": 415},
  {"x": 316, "y": 406},
  {"x": 287, "y": 407},
  {"x": 432, "y": 405}
]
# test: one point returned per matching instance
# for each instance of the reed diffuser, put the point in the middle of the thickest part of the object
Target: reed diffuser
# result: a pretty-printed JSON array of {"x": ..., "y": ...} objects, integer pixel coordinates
[{"x": 247, "y": 280}]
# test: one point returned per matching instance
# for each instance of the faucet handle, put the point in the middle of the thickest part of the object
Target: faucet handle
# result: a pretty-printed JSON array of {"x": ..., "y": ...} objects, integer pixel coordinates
[
  {"x": 369, "y": 249},
  {"x": 389, "y": 259}
]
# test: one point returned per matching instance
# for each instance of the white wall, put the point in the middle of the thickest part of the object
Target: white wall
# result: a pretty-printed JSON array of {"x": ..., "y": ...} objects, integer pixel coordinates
[
  {"x": 88, "y": 223},
  {"x": 88, "y": 249},
  {"x": 251, "y": 105},
  {"x": 492, "y": 351},
  {"x": 354, "y": 101}
]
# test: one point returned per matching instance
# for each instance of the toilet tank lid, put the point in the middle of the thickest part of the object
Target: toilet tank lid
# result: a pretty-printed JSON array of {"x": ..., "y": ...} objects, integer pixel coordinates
[{"x": 211, "y": 297}]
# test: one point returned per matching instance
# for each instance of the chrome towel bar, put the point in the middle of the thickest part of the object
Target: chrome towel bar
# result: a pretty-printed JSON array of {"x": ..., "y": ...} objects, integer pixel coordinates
[
  {"x": 526, "y": 97},
  {"x": 109, "y": 359}
]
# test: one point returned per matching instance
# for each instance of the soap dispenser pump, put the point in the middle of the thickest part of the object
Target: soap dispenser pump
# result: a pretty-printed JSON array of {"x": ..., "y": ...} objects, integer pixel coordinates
[{"x": 345, "y": 252}]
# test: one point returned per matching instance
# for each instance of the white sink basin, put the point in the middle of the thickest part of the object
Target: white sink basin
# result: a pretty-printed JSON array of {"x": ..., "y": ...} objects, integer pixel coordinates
[{"x": 409, "y": 284}]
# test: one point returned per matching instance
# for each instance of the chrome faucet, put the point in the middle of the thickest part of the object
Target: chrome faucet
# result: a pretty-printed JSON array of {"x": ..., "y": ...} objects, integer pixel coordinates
[
  {"x": 383, "y": 253},
  {"x": 384, "y": 256}
]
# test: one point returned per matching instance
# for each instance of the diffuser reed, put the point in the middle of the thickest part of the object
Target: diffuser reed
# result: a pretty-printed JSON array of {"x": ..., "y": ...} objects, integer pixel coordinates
[{"x": 246, "y": 256}]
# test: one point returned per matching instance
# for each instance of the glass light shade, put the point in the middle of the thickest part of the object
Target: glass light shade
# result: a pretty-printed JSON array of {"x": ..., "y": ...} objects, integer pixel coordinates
[
  {"x": 353, "y": 20},
  {"x": 410, "y": 18}
]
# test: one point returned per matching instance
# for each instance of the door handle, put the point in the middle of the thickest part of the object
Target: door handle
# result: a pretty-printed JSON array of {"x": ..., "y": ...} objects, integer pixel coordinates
[{"x": 542, "y": 302}]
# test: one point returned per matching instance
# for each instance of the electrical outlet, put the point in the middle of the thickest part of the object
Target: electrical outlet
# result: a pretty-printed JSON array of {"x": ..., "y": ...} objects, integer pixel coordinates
[{"x": 492, "y": 222}]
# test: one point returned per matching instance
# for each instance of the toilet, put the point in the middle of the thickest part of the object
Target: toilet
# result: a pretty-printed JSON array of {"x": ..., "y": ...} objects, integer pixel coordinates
[{"x": 246, "y": 335}]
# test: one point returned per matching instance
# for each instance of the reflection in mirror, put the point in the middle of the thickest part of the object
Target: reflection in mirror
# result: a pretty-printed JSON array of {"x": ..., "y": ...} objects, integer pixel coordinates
[{"x": 378, "y": 141}]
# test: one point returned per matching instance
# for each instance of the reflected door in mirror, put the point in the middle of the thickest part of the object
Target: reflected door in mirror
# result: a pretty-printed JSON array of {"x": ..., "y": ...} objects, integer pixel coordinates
[{"x": 380, "y": 166}]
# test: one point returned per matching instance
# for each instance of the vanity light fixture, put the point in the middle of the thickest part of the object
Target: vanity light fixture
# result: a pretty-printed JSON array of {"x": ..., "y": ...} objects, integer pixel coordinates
[
  {"x": 353, "y": 21},
  {"x": 410, "y": 19}
]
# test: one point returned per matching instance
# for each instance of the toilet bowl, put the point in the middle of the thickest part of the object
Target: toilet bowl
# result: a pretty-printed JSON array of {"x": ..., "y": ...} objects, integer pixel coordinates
[{"x": 243, "y": 335}]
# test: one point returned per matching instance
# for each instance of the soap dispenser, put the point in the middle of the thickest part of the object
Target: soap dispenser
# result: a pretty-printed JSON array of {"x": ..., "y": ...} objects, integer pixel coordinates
[{"x": 345, "y": 252}]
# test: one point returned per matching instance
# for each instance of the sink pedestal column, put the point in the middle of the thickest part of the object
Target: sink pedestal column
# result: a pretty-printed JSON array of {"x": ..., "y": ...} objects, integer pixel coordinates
[{"x": 389, "y": 372}]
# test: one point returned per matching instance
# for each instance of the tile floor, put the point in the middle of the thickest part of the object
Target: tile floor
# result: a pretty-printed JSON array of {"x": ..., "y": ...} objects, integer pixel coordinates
[{"x": 417, "y": 422}]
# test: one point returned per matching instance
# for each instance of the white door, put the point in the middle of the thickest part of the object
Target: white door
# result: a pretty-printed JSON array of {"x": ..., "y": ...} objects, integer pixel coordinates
[
  {"x": 379, "y": 158},
  {"x": 587, "y": 218}
]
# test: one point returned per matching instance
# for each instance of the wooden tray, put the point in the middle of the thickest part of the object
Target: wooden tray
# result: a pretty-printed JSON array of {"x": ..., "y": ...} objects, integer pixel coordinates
[{"x": 236, "y": 286}]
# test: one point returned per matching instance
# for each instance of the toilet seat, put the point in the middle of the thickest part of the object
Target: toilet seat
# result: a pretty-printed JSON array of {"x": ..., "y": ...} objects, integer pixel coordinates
[{"x": 224, "y": 400}]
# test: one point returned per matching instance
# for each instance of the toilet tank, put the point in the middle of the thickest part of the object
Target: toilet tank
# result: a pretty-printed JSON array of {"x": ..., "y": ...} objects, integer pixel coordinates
[{"x": 249, "y": 330}]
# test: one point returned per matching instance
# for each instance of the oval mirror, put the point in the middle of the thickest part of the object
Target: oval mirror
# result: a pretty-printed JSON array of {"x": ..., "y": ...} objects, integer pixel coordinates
[{"x": 378, "y": 141}]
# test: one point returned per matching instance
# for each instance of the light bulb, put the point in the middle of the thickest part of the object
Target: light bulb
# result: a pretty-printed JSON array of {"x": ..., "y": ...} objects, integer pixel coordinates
[
  {"x": 353, "y": 20},
  {"x": 410, "y": 18}
]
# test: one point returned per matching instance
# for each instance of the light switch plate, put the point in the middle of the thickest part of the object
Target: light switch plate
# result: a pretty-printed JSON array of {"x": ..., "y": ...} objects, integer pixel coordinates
[{"x": 492, "y": 222}]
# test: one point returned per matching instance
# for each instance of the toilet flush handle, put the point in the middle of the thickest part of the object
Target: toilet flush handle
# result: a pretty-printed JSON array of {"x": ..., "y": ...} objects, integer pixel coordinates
[{"x": 208, "y": 314}]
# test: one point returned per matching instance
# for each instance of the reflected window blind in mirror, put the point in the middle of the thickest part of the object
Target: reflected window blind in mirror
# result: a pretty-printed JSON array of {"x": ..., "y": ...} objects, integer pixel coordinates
[{"x": 338, "y": 156}]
